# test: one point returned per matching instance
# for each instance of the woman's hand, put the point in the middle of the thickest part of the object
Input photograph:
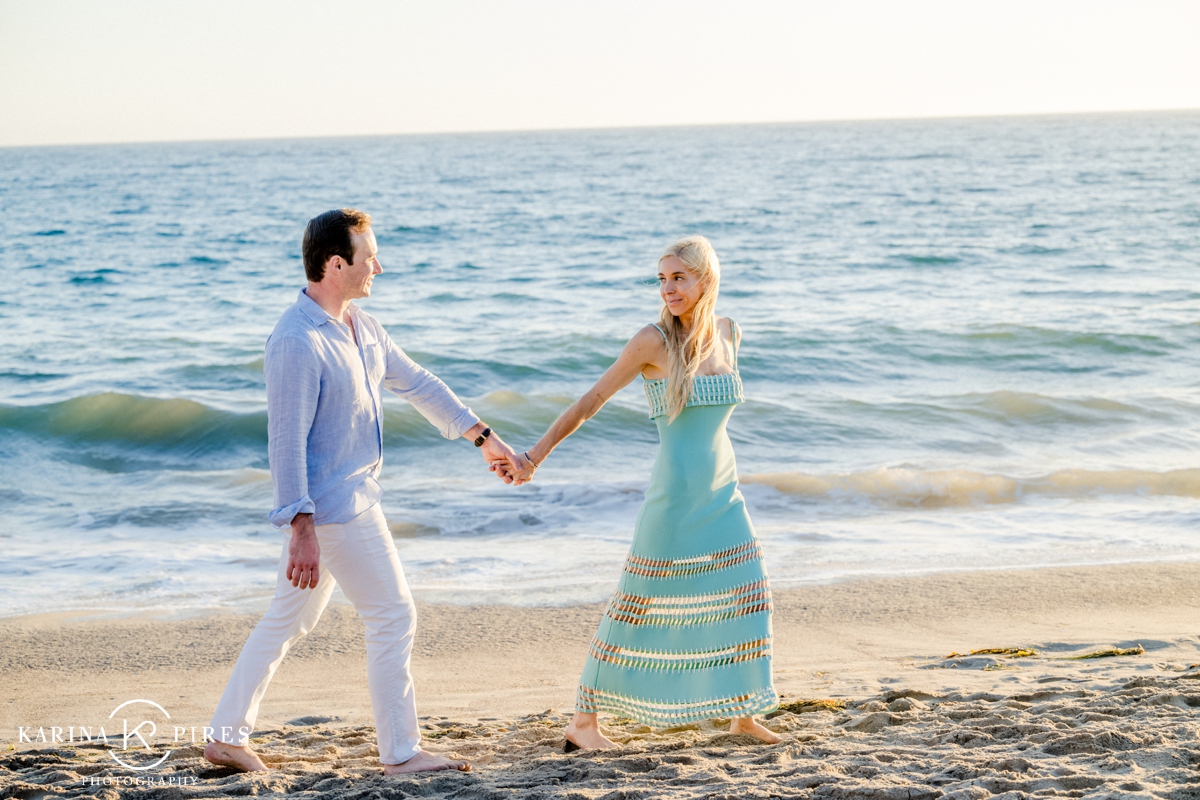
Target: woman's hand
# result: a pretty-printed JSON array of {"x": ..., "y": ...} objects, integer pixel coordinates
[
  {"x": 525, "y": 467},
  {"x": 517, "y": 468}
]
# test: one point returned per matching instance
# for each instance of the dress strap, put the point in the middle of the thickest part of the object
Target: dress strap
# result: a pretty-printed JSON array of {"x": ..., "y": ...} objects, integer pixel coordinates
[{"x": 734, "y": 334}]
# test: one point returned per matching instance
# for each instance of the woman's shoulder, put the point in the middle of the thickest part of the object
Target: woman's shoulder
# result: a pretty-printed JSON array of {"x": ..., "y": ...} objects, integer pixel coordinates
[
  {"x": 650, "y": 333},
  {"x": 727, "y": 327}
]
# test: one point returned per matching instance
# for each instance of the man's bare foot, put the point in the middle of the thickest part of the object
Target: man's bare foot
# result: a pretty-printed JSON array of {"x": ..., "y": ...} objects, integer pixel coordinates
[
  {"x": 747, "y": 726},
  {"x": 584, "y": 733},
  {"x": 230, "y": 755},
  {"x": 425, "y": 762}
]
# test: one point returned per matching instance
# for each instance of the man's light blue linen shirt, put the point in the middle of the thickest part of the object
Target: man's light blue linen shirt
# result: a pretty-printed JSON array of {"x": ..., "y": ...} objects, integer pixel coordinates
[{"x": 325, "y": 410}]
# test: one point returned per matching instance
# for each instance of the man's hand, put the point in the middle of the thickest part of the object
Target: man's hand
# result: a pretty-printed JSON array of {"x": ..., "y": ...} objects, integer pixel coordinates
[
  {"x": 304, "y": 553},
  {"x": 502, "y": 459},
  {"x": 520, "y": 468}
]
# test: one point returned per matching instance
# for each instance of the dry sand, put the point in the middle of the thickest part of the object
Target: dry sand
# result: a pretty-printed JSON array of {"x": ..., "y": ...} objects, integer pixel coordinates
[{"x": 497, "y": 685}]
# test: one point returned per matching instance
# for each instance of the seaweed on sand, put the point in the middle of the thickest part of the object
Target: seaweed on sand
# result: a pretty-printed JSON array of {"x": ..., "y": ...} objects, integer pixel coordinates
[
  {"x": 1136, "y": 650},
  {"x": 1008, "y": 652},
  {"x": 809, "y": 706}
]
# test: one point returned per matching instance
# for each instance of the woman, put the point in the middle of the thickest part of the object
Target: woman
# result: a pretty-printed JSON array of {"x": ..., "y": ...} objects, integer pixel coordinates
[{"x": 687, "y": 635}]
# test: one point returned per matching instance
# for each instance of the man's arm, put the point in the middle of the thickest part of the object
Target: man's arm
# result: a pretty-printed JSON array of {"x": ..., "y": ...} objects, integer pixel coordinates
[
  {"x": 434, "y": 400},
  {"x": 425, "y": 391},
  {"x": 293, "y": 385}
]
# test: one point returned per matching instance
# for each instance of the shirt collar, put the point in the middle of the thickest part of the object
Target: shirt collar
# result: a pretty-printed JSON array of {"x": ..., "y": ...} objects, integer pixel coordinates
[{"x": 314, "y": 312}]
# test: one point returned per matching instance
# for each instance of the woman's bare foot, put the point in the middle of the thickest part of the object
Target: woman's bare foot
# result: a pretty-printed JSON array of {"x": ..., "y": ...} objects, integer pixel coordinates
[
  {"x": 230, "y": 755},
  {"x": 425, "y": 761},
  {"x": 584, "y": 732},
  {"x": 747, "y": 726}
]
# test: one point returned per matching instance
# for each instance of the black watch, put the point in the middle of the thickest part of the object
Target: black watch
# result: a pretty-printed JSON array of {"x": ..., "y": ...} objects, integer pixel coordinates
[{"x": 483, "y": 437}]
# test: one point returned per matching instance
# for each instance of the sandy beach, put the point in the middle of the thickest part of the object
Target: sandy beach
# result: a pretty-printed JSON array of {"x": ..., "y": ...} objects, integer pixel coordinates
[{"x": 875, "y": 705}]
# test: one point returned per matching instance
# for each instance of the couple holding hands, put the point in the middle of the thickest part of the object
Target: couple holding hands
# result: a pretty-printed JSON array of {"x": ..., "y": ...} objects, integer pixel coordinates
[{"x": 687, "y": 634}]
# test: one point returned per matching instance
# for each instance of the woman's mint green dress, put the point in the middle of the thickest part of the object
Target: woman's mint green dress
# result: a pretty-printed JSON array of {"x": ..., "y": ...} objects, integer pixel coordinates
[{"x": 687, "y": 635}]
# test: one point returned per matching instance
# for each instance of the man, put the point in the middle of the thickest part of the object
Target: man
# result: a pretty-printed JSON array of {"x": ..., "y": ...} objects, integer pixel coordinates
[{"x": 324, "y": 364}]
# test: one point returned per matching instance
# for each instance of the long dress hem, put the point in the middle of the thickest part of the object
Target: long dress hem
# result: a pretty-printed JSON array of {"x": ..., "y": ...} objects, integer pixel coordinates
[{"x": 663, "y": 715}]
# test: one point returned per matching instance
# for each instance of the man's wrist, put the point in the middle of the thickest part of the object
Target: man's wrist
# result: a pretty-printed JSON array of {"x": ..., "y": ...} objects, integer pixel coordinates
[{"x": 474, "y": 431}]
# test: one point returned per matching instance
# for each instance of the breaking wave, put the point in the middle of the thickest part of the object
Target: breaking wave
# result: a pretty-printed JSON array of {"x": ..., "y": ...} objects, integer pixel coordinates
[{"x": 902, "y": 487}]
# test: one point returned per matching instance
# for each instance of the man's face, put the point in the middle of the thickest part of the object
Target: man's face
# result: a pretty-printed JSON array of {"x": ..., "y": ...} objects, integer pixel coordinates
[{"x": 357, "y": 277}]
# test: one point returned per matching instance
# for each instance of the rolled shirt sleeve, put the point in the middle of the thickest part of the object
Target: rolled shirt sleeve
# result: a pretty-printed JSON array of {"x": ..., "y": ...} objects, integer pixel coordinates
[
  {"x": 425, "y": 392},
  {"x": 293, "y": 377}
]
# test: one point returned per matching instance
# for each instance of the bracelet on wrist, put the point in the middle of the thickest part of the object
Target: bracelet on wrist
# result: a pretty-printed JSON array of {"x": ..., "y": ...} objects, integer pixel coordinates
[{"x": 531, "y": 461}]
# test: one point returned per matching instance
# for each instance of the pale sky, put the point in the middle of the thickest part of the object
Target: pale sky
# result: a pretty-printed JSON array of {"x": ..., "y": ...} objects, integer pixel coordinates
[{"x": 75, "y": 71}]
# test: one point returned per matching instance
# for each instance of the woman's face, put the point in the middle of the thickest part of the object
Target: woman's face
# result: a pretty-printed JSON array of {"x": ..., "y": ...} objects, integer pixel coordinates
[{"x": 680, "y": 289}]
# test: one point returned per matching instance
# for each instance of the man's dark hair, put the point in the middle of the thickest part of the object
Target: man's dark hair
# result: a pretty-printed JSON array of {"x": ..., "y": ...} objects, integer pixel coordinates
[{"x": 328, "y": 235}]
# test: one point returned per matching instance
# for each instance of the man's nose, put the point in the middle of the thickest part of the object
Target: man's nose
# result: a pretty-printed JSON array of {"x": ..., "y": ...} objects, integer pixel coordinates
[{"x": 378, "y": 268}]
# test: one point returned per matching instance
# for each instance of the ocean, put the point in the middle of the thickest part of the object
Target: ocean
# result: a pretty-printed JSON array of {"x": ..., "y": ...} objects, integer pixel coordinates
[{"x": 968, "y": 344}]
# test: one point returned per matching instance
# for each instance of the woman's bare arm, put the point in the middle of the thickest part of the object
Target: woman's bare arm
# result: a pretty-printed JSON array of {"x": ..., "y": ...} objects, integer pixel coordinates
[{"x": 644, "y": 349}]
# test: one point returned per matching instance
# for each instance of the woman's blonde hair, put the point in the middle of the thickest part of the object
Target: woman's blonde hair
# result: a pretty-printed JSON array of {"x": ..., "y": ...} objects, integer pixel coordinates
[{"x": 686, "y": 351}]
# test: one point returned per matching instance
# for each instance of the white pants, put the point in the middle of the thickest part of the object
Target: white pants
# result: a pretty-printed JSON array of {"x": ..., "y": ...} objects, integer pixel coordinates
[{"x": 361, "y": 556}]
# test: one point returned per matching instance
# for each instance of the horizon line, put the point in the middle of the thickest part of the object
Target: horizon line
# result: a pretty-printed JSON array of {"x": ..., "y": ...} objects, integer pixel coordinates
[{"x": 597, "y": 128}]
